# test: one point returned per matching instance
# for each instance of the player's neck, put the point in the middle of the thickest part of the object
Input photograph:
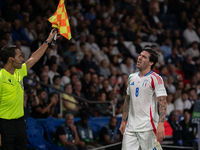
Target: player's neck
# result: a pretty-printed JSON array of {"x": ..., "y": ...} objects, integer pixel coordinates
[
  {"x": 9, "y": 68},
  {"x": 142, "y": 73}
]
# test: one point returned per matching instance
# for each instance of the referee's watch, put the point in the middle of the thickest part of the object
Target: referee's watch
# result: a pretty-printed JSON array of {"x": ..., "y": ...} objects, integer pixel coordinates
[{"x": 47, "y": 43}]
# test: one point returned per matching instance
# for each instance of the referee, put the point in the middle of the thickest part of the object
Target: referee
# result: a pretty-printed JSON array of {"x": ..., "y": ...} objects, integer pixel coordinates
[{"x": 12, "y": 124}]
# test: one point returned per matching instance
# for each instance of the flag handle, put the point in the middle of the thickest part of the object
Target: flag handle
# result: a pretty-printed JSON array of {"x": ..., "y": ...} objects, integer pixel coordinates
[{"x": 54, "y": 38}]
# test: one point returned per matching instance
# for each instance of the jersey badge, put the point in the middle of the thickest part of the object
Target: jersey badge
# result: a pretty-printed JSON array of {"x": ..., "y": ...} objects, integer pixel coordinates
[
  {"x": 144, "y": 84},
  {"x": 132, "y": 83}
]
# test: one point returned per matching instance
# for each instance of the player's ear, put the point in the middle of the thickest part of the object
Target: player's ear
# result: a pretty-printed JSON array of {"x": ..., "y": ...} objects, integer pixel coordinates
[{"x": 150, "y": 63}]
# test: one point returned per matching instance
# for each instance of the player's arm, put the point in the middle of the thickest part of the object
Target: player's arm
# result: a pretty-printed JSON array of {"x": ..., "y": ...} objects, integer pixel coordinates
[
  {"x": 162, "y": 107},
  {"x": 126, "y": 108},
  {"x": 125, "y": 114},
  {"x": 40, "y": 51}
]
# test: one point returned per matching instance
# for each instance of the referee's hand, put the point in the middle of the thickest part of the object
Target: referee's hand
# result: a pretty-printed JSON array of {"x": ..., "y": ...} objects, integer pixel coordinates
[{"x": 122, "y": 127}]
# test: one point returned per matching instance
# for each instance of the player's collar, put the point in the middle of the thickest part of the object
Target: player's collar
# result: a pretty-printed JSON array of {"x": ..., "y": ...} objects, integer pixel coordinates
[{"x": 146, "y": 74}]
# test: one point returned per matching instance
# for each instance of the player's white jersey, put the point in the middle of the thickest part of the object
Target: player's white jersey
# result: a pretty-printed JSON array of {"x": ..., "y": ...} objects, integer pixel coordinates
[{"x": 143, "y": 111}]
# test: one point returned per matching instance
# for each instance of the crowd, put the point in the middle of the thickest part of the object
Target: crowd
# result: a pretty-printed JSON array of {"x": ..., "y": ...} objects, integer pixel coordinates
[{"x": 107, "y": 38}]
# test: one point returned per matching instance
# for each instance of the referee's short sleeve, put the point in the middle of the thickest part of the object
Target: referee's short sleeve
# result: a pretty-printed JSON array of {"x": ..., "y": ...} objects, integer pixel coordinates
[
  {"x": 23, "y": 70},
  {"x": 0, "y": 81}
]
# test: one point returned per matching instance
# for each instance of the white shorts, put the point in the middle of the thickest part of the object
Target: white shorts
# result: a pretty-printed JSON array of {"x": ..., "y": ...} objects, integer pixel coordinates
[{"x": 140, "y": 141}]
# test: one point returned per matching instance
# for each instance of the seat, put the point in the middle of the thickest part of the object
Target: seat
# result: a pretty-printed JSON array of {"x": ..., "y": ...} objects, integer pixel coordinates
[
  {"x": 50, "y": 129},
  {"x": 35, "y": 136}
]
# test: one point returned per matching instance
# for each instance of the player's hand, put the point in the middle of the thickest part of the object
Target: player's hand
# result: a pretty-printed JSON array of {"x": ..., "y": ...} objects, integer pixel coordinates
[
  {"x": 160, "y": 132},
  {"x": 122, "y": 127}
]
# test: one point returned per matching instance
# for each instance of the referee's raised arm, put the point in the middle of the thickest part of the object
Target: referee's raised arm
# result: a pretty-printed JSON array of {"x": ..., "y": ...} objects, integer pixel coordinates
[{"x": 40, "y": 51}]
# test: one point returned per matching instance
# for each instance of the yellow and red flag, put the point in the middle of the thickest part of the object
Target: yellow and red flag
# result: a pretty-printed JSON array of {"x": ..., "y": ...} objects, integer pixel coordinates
[{"x": 60, "y": 20}]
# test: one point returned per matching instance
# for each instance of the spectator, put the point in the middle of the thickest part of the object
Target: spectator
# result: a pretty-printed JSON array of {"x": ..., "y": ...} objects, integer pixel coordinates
[
  {"x": 30, "y": 32},
  {"x": 165, "y": 48},
  {"x": 122, "y": 47},
  {"x": 173, "y": 57},
  {"x": 153, "y": 17},
  {"x": 54, "y": 52},
  {"x": 170, "y": 87},
  {"x": 36, "y": 43},
  {"x": 105, "y": 87},
  {"x": 71, "y": 52},
  {"x": 18, "y": 33},
  {"x": 70, "y": 105},
  {"x": 182, "y": 103},
  {"x": 188, "y": 67},
  {"x": 56, "y": 109},
  {"x": 53, "y": 72},
  {"x": 88, "y": 64},
  {"x": 82, "y": 39},
  {"x": 24, "y": 49},
  {"x": 79, "y": 95},
  {"x": 85, "y": 81},
  {"x": 43, "y": 109},
  {"x": 101, "y": 55},
  {"x": 67, "y": 135},
  {"x": 115, "y": 66},
  {"x": 165, "y": 7},
  {"x": 91, "y": 45},
  {"x": 189, "y": 130},
  {"x": 65, "y": 79},
  {"x": 75, "y": 70},
  {"x": 192, "y": 95},
  {"x": 183, "y": 20},
  {"x": 173, "y": 121},
  {"x": 181, "y": 54},
  {"x": 104, "y": 69},
  {"x": 81, "y": 52},
  {"x": 153, "y": 36},
  {"x": 190, "y": 35},
  {"x": 179, "y": 88},
  {"x": 8, "y": 38},
  {"x": 45, "y": 79},
  {"x": 102, "y": 108},
  {"x": 170, "y": 105},
  {"x": 85, "y": 132},
  {"x": 73, "y": 78},
  {"x": 161, "y": 60},
  {"x": 145, "y": 26},
  {"x": 30, "y": 100},
  {"x": 66, "y": 63},
  {"x": 91, "y": 14},
  {"x": 56, "y": 84},
  {"x": 193, "y": 51},
  {"x": 95, "y": 81},
  {"x": 127, "y": 66},
  {"x": 91, "y": 94},
  {"x": 109, "y": 134}
]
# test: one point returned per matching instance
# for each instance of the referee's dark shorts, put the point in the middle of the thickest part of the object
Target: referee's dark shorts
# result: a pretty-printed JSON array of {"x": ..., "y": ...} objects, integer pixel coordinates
[{"x": 13, "y": 134}]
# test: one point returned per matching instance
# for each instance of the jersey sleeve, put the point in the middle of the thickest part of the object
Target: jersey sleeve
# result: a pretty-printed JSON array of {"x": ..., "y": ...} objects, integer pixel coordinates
[
  {"x": 23, "y": 70},
  {"x": 127, "y": 90},
  {"x": 158, "y": 86},
  {"x": 1, "y": 82}
]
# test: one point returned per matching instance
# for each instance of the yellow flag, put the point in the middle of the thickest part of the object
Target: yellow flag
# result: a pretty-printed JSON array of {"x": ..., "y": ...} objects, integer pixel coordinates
[{"x": 60, "y": 20}]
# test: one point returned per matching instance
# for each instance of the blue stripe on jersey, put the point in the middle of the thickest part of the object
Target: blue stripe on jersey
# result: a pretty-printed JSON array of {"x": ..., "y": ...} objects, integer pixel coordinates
[{"x": 146, "y": 74}]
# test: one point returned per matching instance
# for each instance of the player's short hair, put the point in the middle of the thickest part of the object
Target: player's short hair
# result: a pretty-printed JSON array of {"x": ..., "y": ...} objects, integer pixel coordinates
[
  {"x": 153, "y": 55},
  {"x": 7, "y": 51}
]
